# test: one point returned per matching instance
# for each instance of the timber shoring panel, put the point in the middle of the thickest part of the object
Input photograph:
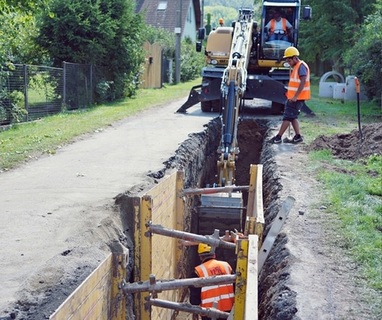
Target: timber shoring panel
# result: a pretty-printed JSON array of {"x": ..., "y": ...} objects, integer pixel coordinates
[
  {"x": 164, "y": 249},
  {"x": 98, "y": 297},
  {"x": 156, "y": 254}
]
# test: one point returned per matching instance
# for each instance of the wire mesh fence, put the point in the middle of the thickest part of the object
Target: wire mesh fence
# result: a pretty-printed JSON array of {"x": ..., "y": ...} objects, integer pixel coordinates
[{"x": 29, "y": 92}]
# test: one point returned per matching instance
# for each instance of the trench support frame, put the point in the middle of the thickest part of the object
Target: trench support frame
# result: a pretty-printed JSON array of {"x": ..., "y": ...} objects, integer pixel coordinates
[
  {"x": 110, "y": 277},
  {"x": 254, "y": 224}
]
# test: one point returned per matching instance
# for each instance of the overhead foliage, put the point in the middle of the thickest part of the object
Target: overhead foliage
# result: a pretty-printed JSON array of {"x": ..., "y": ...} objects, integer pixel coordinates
[
  {"x": 18, "y": 28},
  {"x": 7, "y": 6},
  {"x": 333, "y": 29},
  {"x": 165, "y": 38},
  {"x": 216, "y": 12},
  {"x": 105, "y": 33},
  {"x": 365, "y": 57}
]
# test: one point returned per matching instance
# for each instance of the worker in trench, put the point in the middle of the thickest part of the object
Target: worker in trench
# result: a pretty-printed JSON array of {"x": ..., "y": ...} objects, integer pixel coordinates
[{"x": 206, "y": 296}]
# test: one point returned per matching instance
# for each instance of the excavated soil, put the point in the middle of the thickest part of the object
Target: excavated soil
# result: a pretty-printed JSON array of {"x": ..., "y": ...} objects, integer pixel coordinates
[{"x": 354, "y": 145}]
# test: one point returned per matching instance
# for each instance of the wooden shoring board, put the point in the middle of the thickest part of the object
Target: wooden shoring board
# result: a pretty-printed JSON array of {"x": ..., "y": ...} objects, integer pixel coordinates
[
  {"x": 164, "y": 249},
  {"x": 241, "y": 280},
  {"x": 98, "y": 297},
  {"x": 251, "y": 295},
  {"x": 246, "y": 292},
  {"x": 156, "y": 254},
  {"x": 142, "y": 253},
  {"x": 255, "y": 209}
]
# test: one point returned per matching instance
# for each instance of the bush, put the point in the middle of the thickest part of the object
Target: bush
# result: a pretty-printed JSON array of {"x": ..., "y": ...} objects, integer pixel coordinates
[
  {"x": 105, "y": 33},
  {"x": 191, "y": 62}
]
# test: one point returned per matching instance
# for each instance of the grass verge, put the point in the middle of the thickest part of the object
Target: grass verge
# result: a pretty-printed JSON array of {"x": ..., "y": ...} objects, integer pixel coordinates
[{"x": 353, "y": 190}]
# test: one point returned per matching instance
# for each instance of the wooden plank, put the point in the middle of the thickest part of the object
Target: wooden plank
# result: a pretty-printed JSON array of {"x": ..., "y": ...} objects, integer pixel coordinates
[
  {"x": 179, "y": 223},
  {"x": 241, "y": 280},
  {"x": 91, "y": 293},
  {"x": 259, "y": 195},
  {"x": 145, "y": 257},
  {"x": 251, "y": 191},
  {"x": 117, "y": 297},
  {"x": 255, "y": 209},
  {"x": 164, "y": 260},
  {"x": 251, "y": 296}
]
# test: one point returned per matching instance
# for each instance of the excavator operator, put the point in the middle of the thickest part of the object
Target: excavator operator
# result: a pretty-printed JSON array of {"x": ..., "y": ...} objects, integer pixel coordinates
[
  {"x": 278, "y": 28},
  {"x": 206, "y": 296}
]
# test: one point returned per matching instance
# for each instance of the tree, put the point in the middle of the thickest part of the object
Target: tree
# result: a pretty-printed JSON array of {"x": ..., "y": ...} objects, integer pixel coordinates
[
  {"x": 105, "y": 33},
  {"x": 365, "y": 57},
  {"x": 332, "y": 31}
]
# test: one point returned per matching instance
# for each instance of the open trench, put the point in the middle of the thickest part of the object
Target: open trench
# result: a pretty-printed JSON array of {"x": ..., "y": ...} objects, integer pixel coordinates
[{"x": 197, "y": 156}]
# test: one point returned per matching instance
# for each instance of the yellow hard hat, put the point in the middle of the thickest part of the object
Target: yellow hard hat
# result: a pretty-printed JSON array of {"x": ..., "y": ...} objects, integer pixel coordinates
[
  {"x": 204, "y": 248},
  {"x": 291, "y": 52}
]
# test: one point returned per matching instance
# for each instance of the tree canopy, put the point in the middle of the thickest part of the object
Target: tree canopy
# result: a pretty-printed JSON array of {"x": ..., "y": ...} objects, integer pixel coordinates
[{"x": 105, "y": 33}]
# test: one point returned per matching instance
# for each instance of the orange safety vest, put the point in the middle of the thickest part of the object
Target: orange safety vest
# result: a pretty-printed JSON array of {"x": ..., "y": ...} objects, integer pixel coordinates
[
  {"x": 273, "y": 25},
  {"x": 223, "y": 294},
  {"x": 294, "y": 82}
]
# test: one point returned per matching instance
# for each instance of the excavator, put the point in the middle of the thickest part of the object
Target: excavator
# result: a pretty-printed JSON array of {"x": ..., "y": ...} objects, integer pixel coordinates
[
  {"x": 262, "y": 72},
  {"x": 243, "y": 62}
]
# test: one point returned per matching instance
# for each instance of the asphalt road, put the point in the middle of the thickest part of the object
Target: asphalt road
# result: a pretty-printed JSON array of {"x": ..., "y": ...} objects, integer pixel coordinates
[{"x": 64, "y": 202}]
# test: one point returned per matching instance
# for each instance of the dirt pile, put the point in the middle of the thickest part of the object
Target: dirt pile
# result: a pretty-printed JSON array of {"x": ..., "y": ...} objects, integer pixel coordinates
[{"x": 354, "y": 145}]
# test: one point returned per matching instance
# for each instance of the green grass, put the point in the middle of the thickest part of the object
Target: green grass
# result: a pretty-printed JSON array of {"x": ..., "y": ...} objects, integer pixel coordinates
[
  {"x": 336, "y": 116},
  {"x": 354, "y": 195},
  {"x": 353, "y": 190}
]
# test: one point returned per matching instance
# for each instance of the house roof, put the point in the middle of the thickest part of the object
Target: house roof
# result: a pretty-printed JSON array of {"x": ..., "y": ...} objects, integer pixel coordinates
[{"x": 164, "y": 13}]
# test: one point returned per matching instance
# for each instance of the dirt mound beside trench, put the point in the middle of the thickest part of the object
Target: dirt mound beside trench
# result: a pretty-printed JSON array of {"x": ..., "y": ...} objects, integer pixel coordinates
[{"x": 353, "y": 145}]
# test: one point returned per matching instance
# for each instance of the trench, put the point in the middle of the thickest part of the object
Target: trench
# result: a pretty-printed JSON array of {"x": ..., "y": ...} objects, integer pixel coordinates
[{"x": 197, "y": 157}]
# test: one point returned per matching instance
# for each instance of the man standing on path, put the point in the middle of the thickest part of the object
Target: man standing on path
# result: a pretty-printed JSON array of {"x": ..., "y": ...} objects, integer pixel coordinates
[
  {"x": 206, "y": 296},
  {"x": 298, "y": 91}
]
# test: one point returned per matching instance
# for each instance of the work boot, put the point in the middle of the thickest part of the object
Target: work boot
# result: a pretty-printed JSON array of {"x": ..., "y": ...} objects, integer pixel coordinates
[
  {"x": 276, "y": 139},
  {"x": 297, "y": 138}
]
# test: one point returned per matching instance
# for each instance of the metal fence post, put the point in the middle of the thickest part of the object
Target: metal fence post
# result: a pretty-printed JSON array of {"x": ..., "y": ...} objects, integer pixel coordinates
[
  {"x": 63, "y": 84},
  {"x": 25, "y": 76}
]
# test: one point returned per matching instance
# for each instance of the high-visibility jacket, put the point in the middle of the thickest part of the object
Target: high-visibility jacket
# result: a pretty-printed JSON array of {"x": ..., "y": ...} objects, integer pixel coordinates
[
  {"x": 294, "y": 82},
  {"x": 223, "y": 294},
  {"x": 273, "y": 25}
]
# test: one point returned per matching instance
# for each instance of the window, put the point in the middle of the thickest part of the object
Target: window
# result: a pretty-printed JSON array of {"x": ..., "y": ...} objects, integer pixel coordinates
[{"x": 162, "y": 5}]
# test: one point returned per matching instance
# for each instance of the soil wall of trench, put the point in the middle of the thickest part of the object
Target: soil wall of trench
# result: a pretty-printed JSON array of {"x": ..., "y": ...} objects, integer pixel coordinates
[{"x": 197, "y": 156}]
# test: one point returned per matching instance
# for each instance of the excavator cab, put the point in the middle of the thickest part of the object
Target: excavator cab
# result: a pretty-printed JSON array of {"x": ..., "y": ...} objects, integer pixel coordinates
[
  {"x": 279, "y": 28},
  {"x": 278, "y": 31}
]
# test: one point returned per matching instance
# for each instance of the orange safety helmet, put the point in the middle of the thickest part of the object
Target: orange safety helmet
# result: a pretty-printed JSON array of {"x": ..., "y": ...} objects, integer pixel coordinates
[{"x": 221, "y": 21}]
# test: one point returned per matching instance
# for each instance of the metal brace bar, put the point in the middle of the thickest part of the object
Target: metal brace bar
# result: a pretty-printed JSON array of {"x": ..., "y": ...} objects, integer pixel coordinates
[
  {"x": 152, "y": 285},
  {"x": 212, "y": 313},
  {"x": 275, "y": 229}
]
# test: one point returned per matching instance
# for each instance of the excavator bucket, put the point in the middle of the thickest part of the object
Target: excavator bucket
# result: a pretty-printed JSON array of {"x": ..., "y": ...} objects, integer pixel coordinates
[{"x": 220, "y": 211}]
